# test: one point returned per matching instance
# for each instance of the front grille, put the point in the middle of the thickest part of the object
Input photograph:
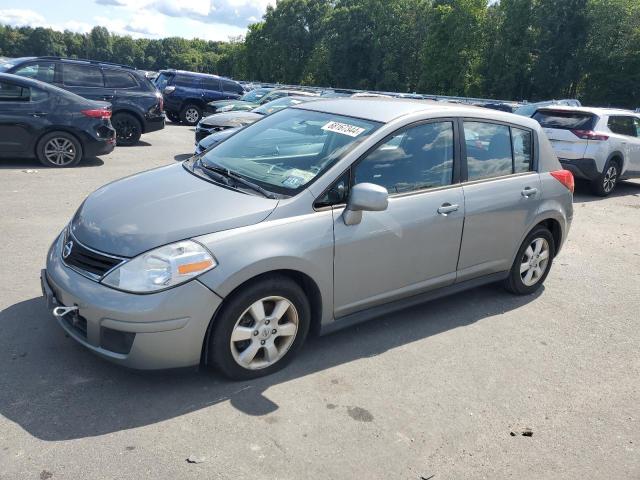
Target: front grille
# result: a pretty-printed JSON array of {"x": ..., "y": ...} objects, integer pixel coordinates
[
  {"x": 77, "y": 323},
  {"x": 85, "y": 260}
]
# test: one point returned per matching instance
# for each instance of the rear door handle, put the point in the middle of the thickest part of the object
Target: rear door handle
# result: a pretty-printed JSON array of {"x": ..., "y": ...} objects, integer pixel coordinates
[
  {"x": 529, "y": 192},
  {"x": 107, "y": 97},
  {"x": 39, "y": 114},
  {"x": 446, "y": 208}
]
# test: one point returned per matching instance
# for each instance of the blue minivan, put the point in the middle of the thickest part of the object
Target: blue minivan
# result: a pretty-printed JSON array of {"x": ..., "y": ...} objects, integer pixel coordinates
[{"x": 186, "y": 93}]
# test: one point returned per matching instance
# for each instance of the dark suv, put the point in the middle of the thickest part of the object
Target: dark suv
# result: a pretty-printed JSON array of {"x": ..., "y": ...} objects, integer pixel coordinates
[
  {"x": 187, "y": 93},
  {"x": 136, "y": 103}
]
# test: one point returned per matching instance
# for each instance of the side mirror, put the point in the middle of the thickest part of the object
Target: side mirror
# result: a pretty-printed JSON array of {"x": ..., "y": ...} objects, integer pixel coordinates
[{"x": 365, "y": 197}]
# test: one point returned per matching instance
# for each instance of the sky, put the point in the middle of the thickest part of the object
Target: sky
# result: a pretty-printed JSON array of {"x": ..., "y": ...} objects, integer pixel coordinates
[{"x": 206, "y": 19}]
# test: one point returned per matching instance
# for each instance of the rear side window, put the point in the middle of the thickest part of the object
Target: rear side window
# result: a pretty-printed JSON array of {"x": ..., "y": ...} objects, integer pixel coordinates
[
  {"x": 417, "y": 158},
  {"x": 211, "y": 84},
  {"x": 43, "y": 71},
  {"x": 622, "y": 126},
  {"x": 10, "y": 92},
  {"x": 187, "y": 81},
  {"x": 119, "y": 79},
  {"x": 522, "y": 151},
  {"x": 232, "y": 87},
  {"x": 488, "y": 150},
  {"x": 82, "y": 76},
  {"x": 565, "y": 120}
]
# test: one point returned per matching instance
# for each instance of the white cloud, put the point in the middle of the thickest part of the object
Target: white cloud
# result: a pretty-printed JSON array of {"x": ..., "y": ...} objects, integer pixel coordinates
[{"x": 22, "y": 18}]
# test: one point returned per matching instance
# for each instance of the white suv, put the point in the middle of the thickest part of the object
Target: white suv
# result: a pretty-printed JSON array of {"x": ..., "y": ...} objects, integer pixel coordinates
[{"x": 601, "y": 145}]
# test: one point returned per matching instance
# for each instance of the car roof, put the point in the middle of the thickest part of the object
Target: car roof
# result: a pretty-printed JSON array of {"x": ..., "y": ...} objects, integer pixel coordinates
[
  {"x": 593, "y": 110},
  {"x": 386, "y": 110},
  {"x": 195, "y": 74}
]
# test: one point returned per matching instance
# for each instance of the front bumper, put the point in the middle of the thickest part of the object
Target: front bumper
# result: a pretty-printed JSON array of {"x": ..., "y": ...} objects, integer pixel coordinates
[
  {"x": 158, "y": 331},
  {"x": 155, "y": 123},
  {"x": 584, "y": 168}
]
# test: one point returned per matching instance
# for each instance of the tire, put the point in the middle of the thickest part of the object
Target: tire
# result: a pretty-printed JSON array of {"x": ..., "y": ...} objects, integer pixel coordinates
[
  {"x": 254, "y": 332},
  {"x": 59, "y": 150},
  {"x": 606, "y": 183},
  {"x": 128, "y": 129},
  {"x": 174, "y": 117},
  {"x": 191, "y": 114},
  {"x": 526, "y": 282}
]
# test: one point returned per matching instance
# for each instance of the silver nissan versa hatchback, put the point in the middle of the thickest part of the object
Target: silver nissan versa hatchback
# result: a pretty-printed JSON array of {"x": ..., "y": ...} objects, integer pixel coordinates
[{"x": 312, "y": 219}]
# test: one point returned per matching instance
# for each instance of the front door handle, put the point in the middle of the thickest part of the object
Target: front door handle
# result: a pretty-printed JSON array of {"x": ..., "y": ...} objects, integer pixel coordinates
[
  {"x": 39, "y": 114},
  {"x": 446, "y": 208},
  {"x": 529, "y": 192},
  {"x": 107, "y": 98}
]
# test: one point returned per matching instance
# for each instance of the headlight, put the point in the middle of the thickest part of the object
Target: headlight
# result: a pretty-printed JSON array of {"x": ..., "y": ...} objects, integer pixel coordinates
[{"x": 162, "y": 268}]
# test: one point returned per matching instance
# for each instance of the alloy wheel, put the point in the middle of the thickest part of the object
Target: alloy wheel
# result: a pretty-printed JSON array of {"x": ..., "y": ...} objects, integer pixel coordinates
[
  {"x": 264, "y": 333},
  {"x": 610, "y": 179},
  {"x": 534, "y": 261},
  {"x": 192, "y": 115},
  {"x": 125, "y": 129},
  {"x": 60, "y": 151}
]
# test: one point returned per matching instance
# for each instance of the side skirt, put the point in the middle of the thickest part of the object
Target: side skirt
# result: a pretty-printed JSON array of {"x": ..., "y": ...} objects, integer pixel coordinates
[{"x": 380, "y": 310}]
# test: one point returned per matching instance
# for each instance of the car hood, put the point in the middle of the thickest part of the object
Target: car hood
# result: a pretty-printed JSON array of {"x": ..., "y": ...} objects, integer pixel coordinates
[
  {"x": 154, "y": 208},
  {"x": 231, "y": 119}
]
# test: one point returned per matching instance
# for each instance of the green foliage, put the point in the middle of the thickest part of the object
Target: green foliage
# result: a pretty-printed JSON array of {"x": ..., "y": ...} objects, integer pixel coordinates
[{"x": 510, "y": 49}]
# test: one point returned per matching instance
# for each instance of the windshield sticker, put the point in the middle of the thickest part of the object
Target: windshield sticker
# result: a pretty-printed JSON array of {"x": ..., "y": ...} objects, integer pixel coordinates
[
  {"x": 293, "y": 182},
  {"x": 343, "y": 128}
]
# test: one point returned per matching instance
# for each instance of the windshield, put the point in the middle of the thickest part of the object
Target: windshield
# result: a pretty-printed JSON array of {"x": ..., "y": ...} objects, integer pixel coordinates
[
  {"x": 254, "y": 95},
  {"x": 288, "y": 150},
  {"x": 565, "y": 120}
]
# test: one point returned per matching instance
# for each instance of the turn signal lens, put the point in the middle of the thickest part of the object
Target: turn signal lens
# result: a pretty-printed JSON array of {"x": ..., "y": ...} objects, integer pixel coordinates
[
  {"x": 188, "y": 268},
  {"x": 565, "y": 177}
]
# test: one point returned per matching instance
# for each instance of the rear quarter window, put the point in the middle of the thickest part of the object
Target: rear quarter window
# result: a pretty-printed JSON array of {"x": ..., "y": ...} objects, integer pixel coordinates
[
  {"x": 119, "y": 79},
  {"x": 565, "y": 120}
]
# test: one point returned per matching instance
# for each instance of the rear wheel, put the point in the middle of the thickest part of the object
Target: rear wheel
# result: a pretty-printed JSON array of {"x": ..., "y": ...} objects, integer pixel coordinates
[
  {"x": 606, "y": 183},
  {"x": 260, "y": 328},
  {"x": 59, "y": 150},
  {"x": 532, "y": 263},
  {"x": 128, "y": 129},
  {"x": 191, "y": 114}
]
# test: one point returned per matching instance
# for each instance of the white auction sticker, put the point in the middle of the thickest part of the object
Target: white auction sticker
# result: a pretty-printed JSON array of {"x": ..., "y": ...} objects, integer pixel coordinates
[{"x": 343, "y": 128}]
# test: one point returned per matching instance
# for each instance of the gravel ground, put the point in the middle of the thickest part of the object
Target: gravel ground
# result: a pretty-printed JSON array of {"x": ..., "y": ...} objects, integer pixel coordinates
[{"x": 441, "y": 391}]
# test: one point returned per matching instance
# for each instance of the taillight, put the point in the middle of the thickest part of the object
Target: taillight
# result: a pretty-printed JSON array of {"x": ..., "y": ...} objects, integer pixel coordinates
[
  {"x": 565, "y": 177},
  {"x": 589, "y": 135},
  {"x": 169, "y": 89},
  {"x": 101, "y": 113}
]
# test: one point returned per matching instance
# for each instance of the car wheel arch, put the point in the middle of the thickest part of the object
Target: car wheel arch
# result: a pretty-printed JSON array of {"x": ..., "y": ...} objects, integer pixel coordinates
[
  {"x": 308, "y": 285},
  {"x": 617, "y": 157},
  {"x": 552, "y": 222}
]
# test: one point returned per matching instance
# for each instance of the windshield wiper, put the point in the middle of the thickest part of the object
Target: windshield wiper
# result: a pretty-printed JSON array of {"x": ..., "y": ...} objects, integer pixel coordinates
[{"x": 226, "y": 174}]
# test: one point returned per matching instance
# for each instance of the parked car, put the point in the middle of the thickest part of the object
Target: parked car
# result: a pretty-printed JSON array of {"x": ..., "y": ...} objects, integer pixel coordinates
[
  {"x": 248, "y": 101},
  {"x": 601, "y": 145},
  {"x": 502, "y": 106},
  {"x": 528, "y": 109},
  {"x": 315, "y": 218},
  {"x": 187, "y": 93},
  {"x": 137, "y": 105},
  {"x": 223, "y": 121},
  {"x": 53, "y": 125},
  {"x": 279, "y": 93},
  {"x": 210, "y": 140}
]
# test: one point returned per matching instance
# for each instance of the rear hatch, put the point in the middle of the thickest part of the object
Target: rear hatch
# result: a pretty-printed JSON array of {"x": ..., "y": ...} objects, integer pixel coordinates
[{"x": 567, "y": 130}]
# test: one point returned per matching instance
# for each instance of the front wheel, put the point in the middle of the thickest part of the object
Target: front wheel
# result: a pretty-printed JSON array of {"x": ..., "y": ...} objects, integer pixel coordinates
[
  {"x": 532, "y": 263},
  {"x": 191, "y": 114},
  {"x": 259, "y": 329}
]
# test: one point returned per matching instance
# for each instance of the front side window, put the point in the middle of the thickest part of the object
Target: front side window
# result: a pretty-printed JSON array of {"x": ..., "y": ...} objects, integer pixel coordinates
[
  {"x": 522, "y": 150},
  {"x": 10, "y": 92},
  {"x": 488, "y": 150},
  {"x": 82, "y": 76},
  {"x": 163, "y": 80},
  {"x": 622, "y": 126},
  {"x": 43, "y": 71},
  {"x": 288, "y": 150},
  {"x": 119, "y": 79},
  {"x": 231, "y": 87},
  {"x": 187, "y": 81},
  {"x": 211, "y": 84},
  {"x": 417, "y": 158}
]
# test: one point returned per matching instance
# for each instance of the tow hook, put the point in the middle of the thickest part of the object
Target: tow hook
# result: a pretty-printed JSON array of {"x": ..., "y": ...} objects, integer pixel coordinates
[{"x": 62, "y": 311}]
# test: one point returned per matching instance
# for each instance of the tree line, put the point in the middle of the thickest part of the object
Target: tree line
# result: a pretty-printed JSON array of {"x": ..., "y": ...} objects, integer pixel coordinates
[{"x": 507, "y": 49}]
